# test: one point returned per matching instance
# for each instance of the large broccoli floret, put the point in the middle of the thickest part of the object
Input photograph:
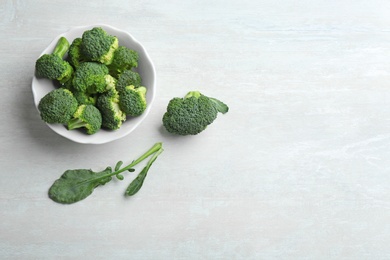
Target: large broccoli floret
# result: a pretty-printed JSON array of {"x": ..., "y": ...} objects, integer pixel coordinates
[
  {"x": 52, "y": 66},
  {"x": 132, "y": 100},
  {"x": 88, "y": 117},
  {"x": 90, "y": 78},
  {"x": 127, "y": 78},
  {"x": 99, "y": 46},
  {"x": 124, "y": 59},
  {"x": 58, "y": 106},
  {"x": 75, "y": 56},
  {"x": 112, "y": 115},
  {"x": 192, "y": 114}
]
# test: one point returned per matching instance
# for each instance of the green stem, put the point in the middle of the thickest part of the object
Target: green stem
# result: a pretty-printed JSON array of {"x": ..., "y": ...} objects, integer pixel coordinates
[
  {"x": 62, "y": 47},
  {"x": 155, "y": 148}
]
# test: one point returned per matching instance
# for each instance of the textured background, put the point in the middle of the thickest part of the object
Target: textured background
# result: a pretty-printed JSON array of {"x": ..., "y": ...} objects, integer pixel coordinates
[{"x": 298, "y": 168}]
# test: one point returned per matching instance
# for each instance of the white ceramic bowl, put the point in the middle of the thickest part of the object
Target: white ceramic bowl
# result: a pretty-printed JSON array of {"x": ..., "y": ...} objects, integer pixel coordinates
[{"x": 40, "y": 86}]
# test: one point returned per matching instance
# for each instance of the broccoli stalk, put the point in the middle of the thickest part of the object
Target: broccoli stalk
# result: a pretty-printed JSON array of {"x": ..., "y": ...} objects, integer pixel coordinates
[
  {"x": 52, "y": 66},
  {"x": 192, "y": 114}
]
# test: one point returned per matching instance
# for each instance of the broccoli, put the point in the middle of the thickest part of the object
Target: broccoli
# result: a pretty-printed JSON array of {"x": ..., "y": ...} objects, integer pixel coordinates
[
  {"x": 124, "y": 59},
  {"x": 86, "y": 116},
  {"x": 52, "y": 66},
  {"x": 90, "y": 77},
  {"x": 132, "y": 100},
  {"x": 75, "y": 56},
  {"x": 99, "y": 46},
  {"x": 84, "y": 98},
  {"x": 192, "y": 114},
  {"x": 108, "y": 104},
  {"x": 57, "y": 106},
  {"x": 127, "y": 78}
]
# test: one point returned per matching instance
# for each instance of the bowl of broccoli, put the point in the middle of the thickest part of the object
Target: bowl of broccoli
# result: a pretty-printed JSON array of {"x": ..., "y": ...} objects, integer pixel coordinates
[{"x": 94, "y": 84}]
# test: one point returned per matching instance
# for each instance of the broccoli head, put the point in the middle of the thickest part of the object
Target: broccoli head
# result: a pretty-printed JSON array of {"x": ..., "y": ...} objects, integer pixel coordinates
[
  {"x": 124, "y": 59},
  {"x": 75, "y": 56},
  {"x": 52, "y": 66},
  {"x": 192, "y": 114},
  {"x": 90, "y": 77},
  {"x": 132, "y": 100},
  {"x": 57, "y": 106},
  {"x": 108, "y": 104},
  {"x": 127, "y": 78},
  {"x": 88, "y": 117},
  {"x": 98, "y": 45}
]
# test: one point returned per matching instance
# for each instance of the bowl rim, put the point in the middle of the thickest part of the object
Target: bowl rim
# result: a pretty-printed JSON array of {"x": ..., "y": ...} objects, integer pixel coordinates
[{"x": 116, "y": 134}]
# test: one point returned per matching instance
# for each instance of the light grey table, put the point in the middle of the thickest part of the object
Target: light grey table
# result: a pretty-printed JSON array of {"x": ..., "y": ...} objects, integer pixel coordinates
[{"x": 298, "y": 169}]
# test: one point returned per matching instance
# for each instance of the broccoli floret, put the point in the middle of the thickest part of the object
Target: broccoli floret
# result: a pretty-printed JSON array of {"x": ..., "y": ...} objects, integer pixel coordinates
[
  {"x": 84, "y": 98},
  {"x": 132, "y": 100},
  {"x": 192, "y": 114},
  {"x": 75, "y": 56},
  {"x": 108, "y": 104},
  {"x": 98, "y": 45},
  {"x": 52, "y": 66},
  {"x": 124, "y": 59},
  {"x": 88, "y": 117},
  {"x": 57, "y": 106},
  {"x": 90, "y": 77},
  {"x": 127, "y": 78}
]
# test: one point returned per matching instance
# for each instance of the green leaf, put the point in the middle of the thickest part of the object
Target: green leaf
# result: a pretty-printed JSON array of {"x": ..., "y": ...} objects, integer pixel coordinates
[
  {"x": 76, "y": 185},
  {"x": 137, "y": 183},
  {"x": 119, "y": 177},
  {"x": 118, "y": 165},
  {"x": 219, "y": 105},
  {"x": 131, "y": 170}
]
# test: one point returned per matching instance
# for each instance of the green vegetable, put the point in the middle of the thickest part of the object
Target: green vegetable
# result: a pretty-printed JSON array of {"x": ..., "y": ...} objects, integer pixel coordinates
[
  {"x": 76, "y": 185},
  {"x": 90, "y": 77},
  {"x": 86, "y": 116},
  {"x": 124, "y": 59},
  {"x": 132, "y": 101},
  {"x": 192, "y": 114},
  {"x": 75, "y": 56},
  {"x": 57, "y": 106},
  {"x": 84, "y": 98},
  {"x": 112, "y": 115},
  {"x": 97, "y": 71},
  {"x": 137, "y": 183},
  {"x": 52, "y": 66},
  {"x": 128, "y": 78},
  {"x": 98, "y": 45}
]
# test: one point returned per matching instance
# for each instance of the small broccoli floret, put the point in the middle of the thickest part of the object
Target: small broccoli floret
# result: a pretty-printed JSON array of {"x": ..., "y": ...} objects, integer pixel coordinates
[
  {"x": 90, "y": 77},
  {"x": 99, "y": 46},
  {"x": 124, "y": 59},
  {"x": 58, "y": 106},
  {"x": 52, "y": 66},
  {"x": 192, "y": 114},
  {"x": 132, "y": 100},
  {"x": 84, "y": 98},
  {"x": 108, "y": 104},
  {"x": 88, "y": 117},
  {"x": 127, "y": 78},
  {"x": 75, "y": 56}
]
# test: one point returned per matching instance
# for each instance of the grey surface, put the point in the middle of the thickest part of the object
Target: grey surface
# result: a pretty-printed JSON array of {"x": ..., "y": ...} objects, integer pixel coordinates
[{"x": 298, "y": 168}]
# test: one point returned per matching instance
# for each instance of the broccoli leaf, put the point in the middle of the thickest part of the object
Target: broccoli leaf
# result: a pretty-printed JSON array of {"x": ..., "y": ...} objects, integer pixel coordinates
[
  {"x": 76, "y": 185},
  {"x": 219, "y": 105},
  {"x": 137, "y": 183}
]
